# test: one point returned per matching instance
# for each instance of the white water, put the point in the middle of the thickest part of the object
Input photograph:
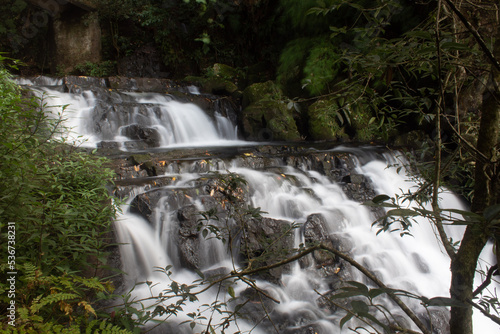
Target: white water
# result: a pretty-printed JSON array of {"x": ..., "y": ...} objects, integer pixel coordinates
[
  {"x": 417, "y": 264},
  {"x": 88, "y": 120}
]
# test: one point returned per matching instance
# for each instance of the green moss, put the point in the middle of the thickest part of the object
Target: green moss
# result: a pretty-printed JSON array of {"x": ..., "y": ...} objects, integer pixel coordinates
[
  {"x": 261, "y": 91},
  {"x": 268, "y": 118},
  {"x": 139, "y": 159},
  {"x": 323, "y": 121}
]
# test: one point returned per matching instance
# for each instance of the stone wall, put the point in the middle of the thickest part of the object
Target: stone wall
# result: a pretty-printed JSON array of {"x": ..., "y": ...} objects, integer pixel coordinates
[
  {"x": 77, "y": 38},
  {"x": 75, "y": 33}
]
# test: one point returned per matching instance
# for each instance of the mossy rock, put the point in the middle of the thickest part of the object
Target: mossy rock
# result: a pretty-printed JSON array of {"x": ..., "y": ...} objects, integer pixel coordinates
[
  {"x": 261, "y": 91},
  {"x": 225, "y": 72},
  {"x": 323, "y": 124},
  {"x": 216, "y": 85},
  {"x": 268, "y": 120}
]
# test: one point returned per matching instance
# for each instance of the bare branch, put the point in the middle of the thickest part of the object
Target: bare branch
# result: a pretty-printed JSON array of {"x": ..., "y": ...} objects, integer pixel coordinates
[
  {"x": 489, "y": 54},
  {"x": 378, "y": 282},
  {"x": 486, "y": 282}
]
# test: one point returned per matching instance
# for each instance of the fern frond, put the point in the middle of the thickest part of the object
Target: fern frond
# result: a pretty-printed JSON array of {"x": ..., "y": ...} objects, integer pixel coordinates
[
  {"x": 51, "y": 299},
  {"x": 104, "y": 327}
]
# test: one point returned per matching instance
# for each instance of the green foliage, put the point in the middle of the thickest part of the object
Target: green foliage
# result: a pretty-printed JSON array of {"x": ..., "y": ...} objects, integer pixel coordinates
[
  {"x": 292, "y": 61},
  {"x": 322, "y": 66},
  {"x": 56, "y": 211},
  {"x": 9, "y": 27},
  {"x": 383, "y": 72},
  {"x": 297, "y": 22},
  {"x": 102, "y": 69}
]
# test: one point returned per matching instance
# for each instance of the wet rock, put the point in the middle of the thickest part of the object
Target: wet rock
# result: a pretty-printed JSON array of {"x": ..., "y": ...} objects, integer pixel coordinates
[
  {"x": 150, "y": 136},
  {"x": 316, "y": 232},
  {"x": 439, "y": 319},
  {"x": 110, "y": 145},
  {"x": 257, "y": 305},
  {"x": 215, "y": 274},
  {"x": 188, "y": 237},
  {"x": 265, "y": 242},
  {"x": 144, "y": 204},
  {"x": 357, "y": 187},
  {"x": 144, "y": 62},
  {"x": 73, "y": 82}
]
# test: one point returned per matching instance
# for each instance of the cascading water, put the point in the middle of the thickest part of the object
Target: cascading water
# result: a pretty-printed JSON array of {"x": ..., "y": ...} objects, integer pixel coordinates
[
  {"x": 290, "y": 194},
  {"x": 101, "y": 117},
  {"x": 416, "y": 264}
]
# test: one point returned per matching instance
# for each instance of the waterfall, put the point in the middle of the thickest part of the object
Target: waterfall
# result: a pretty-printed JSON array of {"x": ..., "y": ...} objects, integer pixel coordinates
[
  {"x": 95, "y": 116},
  {"x": 414, "y": 263},
  {"x": 290, "y": 192}
]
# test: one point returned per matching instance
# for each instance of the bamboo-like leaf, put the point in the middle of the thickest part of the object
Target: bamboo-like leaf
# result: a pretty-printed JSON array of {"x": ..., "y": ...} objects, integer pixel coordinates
[
  {"x": 380, "y": 198},
  {"x": 359, "y": 307},
  {"x": 402, "y": 213},
  {"x": 230, "y": 290},
  {"x": 345, "y": 319}
]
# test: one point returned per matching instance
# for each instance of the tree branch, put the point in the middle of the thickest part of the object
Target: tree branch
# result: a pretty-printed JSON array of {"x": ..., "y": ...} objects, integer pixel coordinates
[
  {"x": 378, "y": 282},
  {"x": 489, "y": 54},
  {"x": 492, "y": 317},
  {"x": 486, "y": 282}
]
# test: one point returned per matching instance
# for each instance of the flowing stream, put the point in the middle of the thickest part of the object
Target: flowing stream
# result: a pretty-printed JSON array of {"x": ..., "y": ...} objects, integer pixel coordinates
[{"x": 290, "y": 193}]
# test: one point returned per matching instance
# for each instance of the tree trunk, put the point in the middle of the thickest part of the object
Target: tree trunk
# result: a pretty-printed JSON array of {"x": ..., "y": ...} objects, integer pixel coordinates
[{"x": 463, "y": 265}]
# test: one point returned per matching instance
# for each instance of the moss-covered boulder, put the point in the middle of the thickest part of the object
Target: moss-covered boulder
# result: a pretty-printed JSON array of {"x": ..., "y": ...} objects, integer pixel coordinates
[
  {"x": 323, "y": 121},
  {"x": 265, "y": 116},
  {"x": 261, "y": 91},
  {"x": 225, "y": 72}
]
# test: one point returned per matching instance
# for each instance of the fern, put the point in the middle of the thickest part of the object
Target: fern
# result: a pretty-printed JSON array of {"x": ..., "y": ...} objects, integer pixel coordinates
[
  {"x": 104, "y": 327},
  {"x": 51, "y": 299},
  {"x": 93, "y": 284}
]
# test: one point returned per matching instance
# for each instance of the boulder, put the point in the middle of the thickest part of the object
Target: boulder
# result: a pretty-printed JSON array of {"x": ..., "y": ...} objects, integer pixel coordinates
[
  {"x": 150, "y": 136},
  {"x": 188, "y": 237},
  {"x": 260, "y": 91},
  {"x": 266, "y": 116},
  {"x": 77, "y": 38},
  {"x": 265, "y": 242},
  {"x": 323, "y": 123}
]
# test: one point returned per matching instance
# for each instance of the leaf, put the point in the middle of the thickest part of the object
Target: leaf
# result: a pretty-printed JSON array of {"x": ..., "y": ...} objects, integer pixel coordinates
[
  {"x": 375, "y": 293},
  {"x": 445, "y": 301},
  {"x": 420, "y": 34},
  {"x": 88, "y": 308},
  {"x": 175, "y": 287},
  {"x": 453, "y": 46},
  {"x": 345, "y": 319},
  {"x": 359, "y": 285},
  {"x": 402, "y": 213},
  {"x": 359, "y": 306},
  {"x": 346, "y": 294},
  {"x": 380, "y": 198},
  {"x": 230, "y": 290}
]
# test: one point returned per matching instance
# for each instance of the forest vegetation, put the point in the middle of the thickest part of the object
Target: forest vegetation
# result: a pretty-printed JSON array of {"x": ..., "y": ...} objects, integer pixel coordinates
[{"x": 393, "y": 71}]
